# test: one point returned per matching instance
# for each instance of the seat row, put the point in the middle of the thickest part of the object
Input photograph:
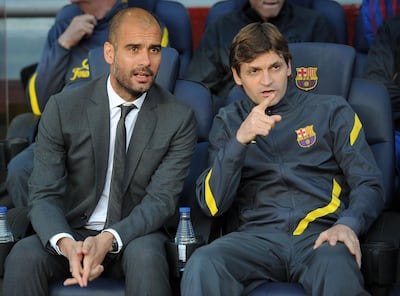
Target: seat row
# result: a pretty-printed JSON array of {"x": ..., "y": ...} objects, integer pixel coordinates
[
  {"x": 317, "y": 67},
  {"x": 176, "y": 17}
]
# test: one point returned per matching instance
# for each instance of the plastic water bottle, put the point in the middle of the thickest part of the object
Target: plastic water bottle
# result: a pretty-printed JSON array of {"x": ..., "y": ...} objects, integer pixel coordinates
[
  {"x": 6, "y": 235},
  {"x": 184, "y": 236}
]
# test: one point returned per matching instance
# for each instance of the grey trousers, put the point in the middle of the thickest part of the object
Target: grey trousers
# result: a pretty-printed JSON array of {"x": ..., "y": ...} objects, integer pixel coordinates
[
  {"x": 29, "y": 267},
  {"x": 237, "y": 262}
]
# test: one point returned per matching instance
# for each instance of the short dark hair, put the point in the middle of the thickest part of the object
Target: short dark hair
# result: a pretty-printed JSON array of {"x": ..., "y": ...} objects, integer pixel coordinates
[{"x": 256, "y": 39}]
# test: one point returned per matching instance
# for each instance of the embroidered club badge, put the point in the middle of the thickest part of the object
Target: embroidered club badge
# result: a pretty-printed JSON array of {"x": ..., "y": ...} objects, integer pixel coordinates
[
  {"x": 306, "y": 136},
  {"x": 306, "y": 78}
]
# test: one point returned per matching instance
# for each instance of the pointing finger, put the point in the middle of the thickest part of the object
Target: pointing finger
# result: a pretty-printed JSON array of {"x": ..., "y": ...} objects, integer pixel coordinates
[{"x": 264, "y": 104}]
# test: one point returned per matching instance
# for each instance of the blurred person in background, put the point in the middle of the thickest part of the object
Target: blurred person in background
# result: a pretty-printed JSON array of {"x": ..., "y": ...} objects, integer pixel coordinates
[
  {"x": 210, "y": 61},
  {"x": 383, "y": 66}
]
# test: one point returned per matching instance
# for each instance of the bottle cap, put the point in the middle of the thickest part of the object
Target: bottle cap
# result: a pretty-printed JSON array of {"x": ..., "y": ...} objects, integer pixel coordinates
[
  {"x": 184, "y": 210},
  {"x": 3, "y": 210}
]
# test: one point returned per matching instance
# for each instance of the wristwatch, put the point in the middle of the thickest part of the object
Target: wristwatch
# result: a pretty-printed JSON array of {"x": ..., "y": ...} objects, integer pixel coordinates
[{"x": 114, "y": 246}]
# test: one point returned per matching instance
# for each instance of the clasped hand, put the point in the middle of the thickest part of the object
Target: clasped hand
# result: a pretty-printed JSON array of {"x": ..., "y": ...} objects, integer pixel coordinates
[{"x": 85, "y": 257}]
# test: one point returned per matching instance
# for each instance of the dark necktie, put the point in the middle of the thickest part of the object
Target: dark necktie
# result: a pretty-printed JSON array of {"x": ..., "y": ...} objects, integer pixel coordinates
[{"x": 115, "y": 197}]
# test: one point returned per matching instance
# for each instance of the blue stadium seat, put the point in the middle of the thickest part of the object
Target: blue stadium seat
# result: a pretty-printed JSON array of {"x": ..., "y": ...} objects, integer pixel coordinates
[
  {"x": 361, "y": 57},
  {"x": 360, "y": 42},
  {"x": 222, "y": 7},
  {"x": 361, "y": 45},
  {"x": 199, "y": 98},
  {"x": 331, "y": 66},
  {"x": 176, "y": 18},
  {"x": 332, "y": 10},
  {"x": 99, "y": 287}
]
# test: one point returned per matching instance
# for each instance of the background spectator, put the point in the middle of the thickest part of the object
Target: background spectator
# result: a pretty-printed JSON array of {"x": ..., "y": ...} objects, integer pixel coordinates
[{"x": 210, "y": 62}]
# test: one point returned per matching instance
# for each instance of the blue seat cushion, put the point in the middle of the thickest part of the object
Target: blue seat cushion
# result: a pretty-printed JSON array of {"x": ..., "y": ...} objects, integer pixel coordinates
[
  {"x": 98, "y": 287},
  {"x": 281, "y": 289}
]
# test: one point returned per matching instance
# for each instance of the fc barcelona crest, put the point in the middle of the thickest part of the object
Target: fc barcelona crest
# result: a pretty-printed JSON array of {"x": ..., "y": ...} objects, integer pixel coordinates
[
  {"x": 306, "y": 78},
  {"x": 306, "y": 136}
]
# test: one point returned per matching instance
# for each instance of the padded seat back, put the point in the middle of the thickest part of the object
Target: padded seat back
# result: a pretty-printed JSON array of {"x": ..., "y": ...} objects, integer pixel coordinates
[
  {"x": 324, "y": 68},
  {"x": 222, "y": 7},
  {"x": 199, "y": 98},
  {"x": 360, "y": 41},
  {"x": 372, "y": 103},
  {"x": 335, "y": 15},
  {"x": 98, "y": 287}
]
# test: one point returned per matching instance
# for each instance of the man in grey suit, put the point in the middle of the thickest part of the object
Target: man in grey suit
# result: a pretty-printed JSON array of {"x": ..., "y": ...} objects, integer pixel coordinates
[{"x": 70, "y": 182}]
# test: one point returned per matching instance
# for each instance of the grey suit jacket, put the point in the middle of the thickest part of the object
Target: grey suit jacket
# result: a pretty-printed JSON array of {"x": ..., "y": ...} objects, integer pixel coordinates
[{"x": 71, "y": 156}]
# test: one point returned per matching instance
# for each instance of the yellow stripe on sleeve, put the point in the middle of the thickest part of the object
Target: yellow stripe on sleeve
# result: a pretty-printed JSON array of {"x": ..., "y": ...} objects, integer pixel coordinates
[
  {"x": 320, "y": 212},
  {"x": 356, "y": 130},
  {"x": 33, "y": 96},
  {"x": 165, "y": 38},
  {"x": 209, "y": 196}
]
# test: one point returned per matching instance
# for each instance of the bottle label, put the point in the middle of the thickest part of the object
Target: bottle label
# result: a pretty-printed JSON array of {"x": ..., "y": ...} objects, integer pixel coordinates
[{"x": 182, "y": 253}]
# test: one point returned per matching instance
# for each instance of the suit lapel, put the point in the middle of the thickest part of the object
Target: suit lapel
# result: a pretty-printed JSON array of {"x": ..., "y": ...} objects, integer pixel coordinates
[
  {"x": 98, "y": 113},
  {"x": 144, "y": 127}
]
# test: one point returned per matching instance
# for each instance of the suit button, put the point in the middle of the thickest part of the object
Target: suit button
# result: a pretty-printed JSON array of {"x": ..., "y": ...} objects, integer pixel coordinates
[{"x": 83, "y": 216}]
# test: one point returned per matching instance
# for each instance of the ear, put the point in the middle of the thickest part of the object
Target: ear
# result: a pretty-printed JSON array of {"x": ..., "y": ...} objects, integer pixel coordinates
[
  {"x": 109, "y": 52},
  {"x": 236, "y": 76},
  {"x": 289, "y": 70}
]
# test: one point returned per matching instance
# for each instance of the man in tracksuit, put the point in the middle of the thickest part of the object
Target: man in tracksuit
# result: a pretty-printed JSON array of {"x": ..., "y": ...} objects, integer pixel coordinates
[{"x": 295, "y": 171}]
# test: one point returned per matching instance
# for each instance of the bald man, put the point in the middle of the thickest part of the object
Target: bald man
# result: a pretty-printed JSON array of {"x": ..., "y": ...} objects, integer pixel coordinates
[{"x": 71, "y": 187}]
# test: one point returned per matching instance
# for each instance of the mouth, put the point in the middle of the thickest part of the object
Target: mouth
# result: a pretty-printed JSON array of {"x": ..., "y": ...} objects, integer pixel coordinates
[
  {"x": 267, "y": 93},
  {"x": 269, "y": 3},
  {"x": 143, "y": 75}
]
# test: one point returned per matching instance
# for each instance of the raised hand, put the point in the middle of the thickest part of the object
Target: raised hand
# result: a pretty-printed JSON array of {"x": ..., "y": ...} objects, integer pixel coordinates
[
  {"x": 257, "y": 123},
  {"x": 81, "y": 26}
]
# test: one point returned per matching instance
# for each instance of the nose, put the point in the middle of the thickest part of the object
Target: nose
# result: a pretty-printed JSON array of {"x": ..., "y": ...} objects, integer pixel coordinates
[
  {"x": 266, "y": 78},
  {"x": 144, "y": 58}
]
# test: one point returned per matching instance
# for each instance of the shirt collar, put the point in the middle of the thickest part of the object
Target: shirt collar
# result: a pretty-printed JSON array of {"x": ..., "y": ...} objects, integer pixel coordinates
[{"x": 115, "y": 100}]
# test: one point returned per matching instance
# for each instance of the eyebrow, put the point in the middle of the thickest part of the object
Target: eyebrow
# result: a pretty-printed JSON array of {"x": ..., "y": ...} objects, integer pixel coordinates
[{"x": 157, "y": 45}]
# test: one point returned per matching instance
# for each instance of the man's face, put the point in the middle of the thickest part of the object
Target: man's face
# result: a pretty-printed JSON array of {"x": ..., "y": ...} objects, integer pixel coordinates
[
  {"x": 267, "y": 8},
  {"x": 135, "y": 59},
  {"x": 265, "y": 76}
]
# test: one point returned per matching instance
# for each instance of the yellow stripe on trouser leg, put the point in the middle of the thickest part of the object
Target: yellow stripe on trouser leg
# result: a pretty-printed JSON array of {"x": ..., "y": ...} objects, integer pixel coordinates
[
  {"x": 209, "y": 196},
  {"x": 320, "y": 212}
]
